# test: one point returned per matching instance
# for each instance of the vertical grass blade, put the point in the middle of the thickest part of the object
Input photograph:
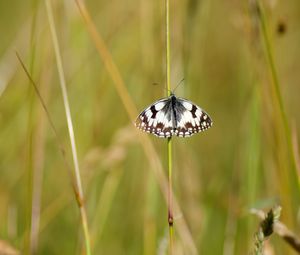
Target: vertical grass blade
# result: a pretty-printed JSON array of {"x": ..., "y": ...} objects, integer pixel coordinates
[
  {"x": 79, "y": 191},
  {"x": 170, "y": 196},
  {"x": 169, "y": 142},
  {"x": 275, "y": 79},
  {"x": 148, "y": 147},
  {"x": 291, "y": 181}
]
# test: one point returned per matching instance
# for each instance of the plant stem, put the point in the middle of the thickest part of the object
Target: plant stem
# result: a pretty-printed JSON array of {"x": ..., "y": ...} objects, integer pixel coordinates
[
  {"x": 278, "y": 94},
  {"x": 168, "y": 47},
  {"x": 272, "y": 66},
  {"x": 79, "y": 190},
  {"x": 147, "y": 145},
  {"x": 170, "y": 195}
]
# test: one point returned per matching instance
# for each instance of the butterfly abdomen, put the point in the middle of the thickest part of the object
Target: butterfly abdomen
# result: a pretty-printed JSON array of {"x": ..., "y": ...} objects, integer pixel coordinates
[{"x": 173, "y": 112}]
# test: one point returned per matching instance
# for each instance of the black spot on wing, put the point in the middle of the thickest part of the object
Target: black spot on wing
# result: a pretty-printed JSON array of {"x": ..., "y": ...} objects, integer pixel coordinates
[
  {"x": 193, "y": 111},
  {"x": 154, "y": 111},
  {"x": 147, "y": 120},
  {"x": 205, "y": 121}
]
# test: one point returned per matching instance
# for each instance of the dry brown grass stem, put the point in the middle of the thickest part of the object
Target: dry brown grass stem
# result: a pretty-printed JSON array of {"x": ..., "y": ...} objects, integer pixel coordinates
[
  {"x": 48, "y": 116},
  {"x": 146, "y": 143},
  {"x": 38, "y": 167},
  {"x": 79, "y": 190},
  {"x": 296, "y": 147}
]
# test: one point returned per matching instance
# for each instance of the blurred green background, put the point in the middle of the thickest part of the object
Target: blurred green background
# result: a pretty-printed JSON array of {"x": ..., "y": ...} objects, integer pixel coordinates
[{"x": 249, "y": 158}]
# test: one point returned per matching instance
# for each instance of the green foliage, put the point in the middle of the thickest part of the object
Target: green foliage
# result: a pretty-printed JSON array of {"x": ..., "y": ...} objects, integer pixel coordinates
[{"x": 240, "y": 68}]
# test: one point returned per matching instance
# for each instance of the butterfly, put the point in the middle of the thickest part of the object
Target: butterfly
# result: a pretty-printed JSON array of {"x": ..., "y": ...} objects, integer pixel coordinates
[{"x": 173, "y": 116}]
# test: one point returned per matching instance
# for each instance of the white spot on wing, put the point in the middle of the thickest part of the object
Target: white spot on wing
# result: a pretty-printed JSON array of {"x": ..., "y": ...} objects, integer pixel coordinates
[
  {"x": 198, "y": 113},
  {"x": 159, "y": 106},
  {"x": 150, "y": 122},
  {"x": 148, "y": 113},
  {"x": 187, "y": 105}
]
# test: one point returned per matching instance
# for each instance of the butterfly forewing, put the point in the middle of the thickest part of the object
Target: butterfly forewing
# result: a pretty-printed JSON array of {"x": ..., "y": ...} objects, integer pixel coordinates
[
  {"x": 157, "y": 119},
  {"x": 190, "y": 118},
  {"x": 172, "y": 115}
]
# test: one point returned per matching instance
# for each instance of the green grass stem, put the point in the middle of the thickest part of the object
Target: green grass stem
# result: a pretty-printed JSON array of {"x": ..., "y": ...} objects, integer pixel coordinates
[
  {"x": 275, "y": 79},
  {"x": 79, "y": 189},
  {"x": 170, "y": 190},
  {"x": 170, "y": 197},
  {"x": 276, "y": 87},
  {"x": 147, "y": 145}
]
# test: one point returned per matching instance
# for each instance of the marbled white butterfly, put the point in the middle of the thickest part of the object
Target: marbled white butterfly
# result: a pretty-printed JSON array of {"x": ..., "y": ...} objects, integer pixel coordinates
[{"x": 173, "y": 116}]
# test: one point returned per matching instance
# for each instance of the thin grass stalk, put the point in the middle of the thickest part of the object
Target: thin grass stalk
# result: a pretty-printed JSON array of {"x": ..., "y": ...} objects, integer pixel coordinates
[
  {"x": 79, "y": 191},
  {"x": 274, "y": 75},
  {"x": 37, "y": 182},
  {"x": 147, "y": 145},
  {"x": 170, "y": 196},
  {"x": 28, "y": 193},
  {"x": 31, "y": 130},
  {"x": 169, "y": 142},
  {"x": 37, "y": 169},
  {"x": 104, "y": 205},
  {"x": 52, "y": 209},
  {"x": 168, "y": 66},
  {"x": 285, "y": 158}
]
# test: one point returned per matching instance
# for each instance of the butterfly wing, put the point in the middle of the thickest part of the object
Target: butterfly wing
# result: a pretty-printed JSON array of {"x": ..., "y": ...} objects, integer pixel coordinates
[
  {"x": 157, "y": 119},
  {"x": 190, "y": 118}
]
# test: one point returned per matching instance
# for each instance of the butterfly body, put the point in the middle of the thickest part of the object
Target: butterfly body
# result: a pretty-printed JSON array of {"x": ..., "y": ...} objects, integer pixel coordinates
[{"x": 173, "y": 116}]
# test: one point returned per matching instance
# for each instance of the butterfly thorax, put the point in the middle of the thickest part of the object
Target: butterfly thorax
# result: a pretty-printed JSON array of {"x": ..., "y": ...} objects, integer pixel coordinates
[
  {"x": 173, "y": 101},
  {"x": 173, "y": 112}
]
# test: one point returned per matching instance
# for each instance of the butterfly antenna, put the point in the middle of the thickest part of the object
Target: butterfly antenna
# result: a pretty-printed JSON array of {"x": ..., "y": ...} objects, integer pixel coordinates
[
  {"x": 178, "y": 84},
  {"x": 166, "y": 89},
  {"x": 158, "y": 84}
]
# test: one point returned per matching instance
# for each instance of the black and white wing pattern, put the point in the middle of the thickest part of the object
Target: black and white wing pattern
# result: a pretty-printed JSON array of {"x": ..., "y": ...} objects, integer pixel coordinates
[
  {"x": 173, "y": 116},
  {"x": 190, "y": 118},
  {"x": 157, "y": 119}
]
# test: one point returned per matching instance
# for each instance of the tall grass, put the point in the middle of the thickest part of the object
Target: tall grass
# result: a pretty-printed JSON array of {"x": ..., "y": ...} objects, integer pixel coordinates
[
  {"x": 78, "y": 188},
  {"x": 236, "y": 66},
  {"x": 132, "y": 112},
  {"x": 169, "y": 142}
]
